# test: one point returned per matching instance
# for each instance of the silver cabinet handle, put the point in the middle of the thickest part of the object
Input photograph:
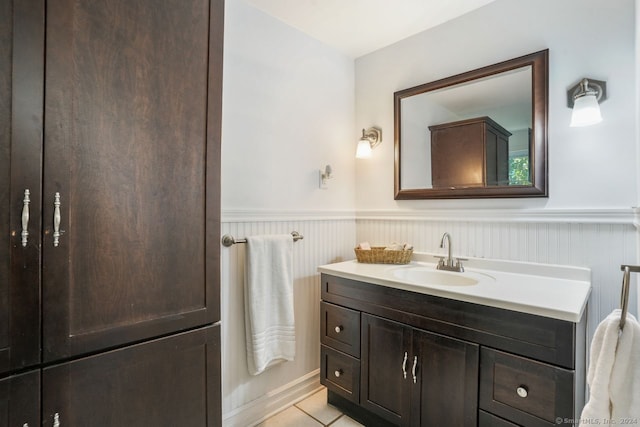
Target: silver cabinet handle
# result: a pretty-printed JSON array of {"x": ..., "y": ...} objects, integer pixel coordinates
[
  {"x": 338, "y": 373},
  {"x": 56, "y": 222},
  {"x": 56, "y": 417},
  {"x": 413, "y": 370},
  {"x": 404, "y": 366},
  {"x": 522, "y": 391},
  {"x": 338, "y": 329},
  {"x": 25, "y": 217}
]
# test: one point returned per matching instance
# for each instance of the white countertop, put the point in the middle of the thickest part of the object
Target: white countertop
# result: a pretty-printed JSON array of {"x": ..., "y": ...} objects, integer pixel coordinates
[{"x": 555, "y": 291}]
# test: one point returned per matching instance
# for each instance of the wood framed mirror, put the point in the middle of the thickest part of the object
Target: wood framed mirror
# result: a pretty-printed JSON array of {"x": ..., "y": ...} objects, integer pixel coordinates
[{"x": 478, "y": 134}]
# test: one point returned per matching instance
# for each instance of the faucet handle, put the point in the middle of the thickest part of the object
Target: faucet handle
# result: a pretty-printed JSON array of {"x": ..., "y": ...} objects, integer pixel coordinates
[
  {"x": 440, "y": 258},
  {"x": 459, "y": 264}
]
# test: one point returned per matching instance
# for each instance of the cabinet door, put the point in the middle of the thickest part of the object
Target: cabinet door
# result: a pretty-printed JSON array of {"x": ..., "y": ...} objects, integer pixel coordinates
[
  {"x": 172, "y": 381},
  {"x": 20, "y": 400},
  {"x": 386, "y": 369},
  {"x": 21, "y": 89},
  {"x": 448, "y": 167},
  {"x": 446, "y": 390},
  {"x": 131, "y": 170}
]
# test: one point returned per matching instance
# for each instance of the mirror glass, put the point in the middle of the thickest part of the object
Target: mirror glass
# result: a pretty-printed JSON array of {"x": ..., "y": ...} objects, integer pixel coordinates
[{"x": 477, "y": 134}]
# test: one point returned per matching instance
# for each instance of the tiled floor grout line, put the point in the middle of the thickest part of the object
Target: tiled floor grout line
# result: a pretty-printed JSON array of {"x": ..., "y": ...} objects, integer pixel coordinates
[
  {"x": 323, "y": 424},
  {"x": 316, "y": 410},
  {"x": 335, "y": 421}
]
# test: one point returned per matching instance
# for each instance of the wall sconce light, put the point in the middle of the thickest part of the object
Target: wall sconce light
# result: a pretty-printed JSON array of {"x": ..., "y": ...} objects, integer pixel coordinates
[
  {"x": 370, "y": 139},
  {"x": 584, "y": 98}
]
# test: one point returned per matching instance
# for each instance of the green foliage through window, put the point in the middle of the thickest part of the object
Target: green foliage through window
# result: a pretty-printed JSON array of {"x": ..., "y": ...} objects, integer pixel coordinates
[{"x": 519, "y": 171}]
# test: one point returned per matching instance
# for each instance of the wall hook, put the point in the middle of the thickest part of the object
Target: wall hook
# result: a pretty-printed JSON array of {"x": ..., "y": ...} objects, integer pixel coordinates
[{"x": 324, "y": 176}]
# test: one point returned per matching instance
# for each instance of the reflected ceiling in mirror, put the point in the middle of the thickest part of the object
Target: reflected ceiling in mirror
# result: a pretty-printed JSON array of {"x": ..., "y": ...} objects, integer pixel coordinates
[{"x": 477, "y": 134}]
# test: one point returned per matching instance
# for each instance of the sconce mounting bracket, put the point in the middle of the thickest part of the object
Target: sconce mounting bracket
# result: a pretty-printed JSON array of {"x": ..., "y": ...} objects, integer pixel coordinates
[{"x": 599, "y": 86}]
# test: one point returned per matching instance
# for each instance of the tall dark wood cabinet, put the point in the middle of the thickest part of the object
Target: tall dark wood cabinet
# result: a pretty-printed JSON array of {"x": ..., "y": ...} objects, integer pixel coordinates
[
  {"x": 21, "y": 115},
  {"x": 110, "y": 118},
  {"x": 485, "y": 145}
]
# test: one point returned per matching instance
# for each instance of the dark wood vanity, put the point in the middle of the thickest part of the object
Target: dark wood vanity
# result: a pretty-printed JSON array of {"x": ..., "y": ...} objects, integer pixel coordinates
[{"x": 392, "y": 357}]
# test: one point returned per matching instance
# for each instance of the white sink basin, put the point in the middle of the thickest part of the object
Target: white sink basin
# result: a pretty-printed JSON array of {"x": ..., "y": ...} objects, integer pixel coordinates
[{"x": 430, "y": 276}]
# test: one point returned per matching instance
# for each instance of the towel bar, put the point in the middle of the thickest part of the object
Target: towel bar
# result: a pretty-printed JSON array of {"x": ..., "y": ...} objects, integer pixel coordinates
[
  {"x": 228, "y": 240},
  {"x": 624, "y": 296}
]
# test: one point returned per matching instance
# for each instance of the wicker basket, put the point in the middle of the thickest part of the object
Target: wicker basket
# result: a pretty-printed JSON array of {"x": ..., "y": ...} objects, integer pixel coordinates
[{"x": 378, "y": 255}]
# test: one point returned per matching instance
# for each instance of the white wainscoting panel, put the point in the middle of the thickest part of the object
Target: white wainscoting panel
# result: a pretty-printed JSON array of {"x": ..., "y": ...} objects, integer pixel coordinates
[{"x": 325, "y": 241}]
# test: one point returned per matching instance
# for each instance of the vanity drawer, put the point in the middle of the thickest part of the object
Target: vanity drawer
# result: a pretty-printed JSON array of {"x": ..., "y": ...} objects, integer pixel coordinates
[
  {"x": 340, "y": 328},
  {"x": 524, "y": 391},
  {"x": 340, "y": 373},
  {"x": 486, "y": 419}
]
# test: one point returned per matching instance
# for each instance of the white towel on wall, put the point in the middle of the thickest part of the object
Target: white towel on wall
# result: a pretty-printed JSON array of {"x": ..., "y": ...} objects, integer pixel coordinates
[
  {"x": 625, "y": 377},
  {"x": 614, "y": 371},
  {"x": 268, "y": 301}
]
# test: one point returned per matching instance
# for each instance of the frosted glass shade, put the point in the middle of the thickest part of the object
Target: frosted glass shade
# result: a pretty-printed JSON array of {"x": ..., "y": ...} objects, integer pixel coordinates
[
  {"x": 364, "y": 149},
  {"x": 586, "y": 111}
]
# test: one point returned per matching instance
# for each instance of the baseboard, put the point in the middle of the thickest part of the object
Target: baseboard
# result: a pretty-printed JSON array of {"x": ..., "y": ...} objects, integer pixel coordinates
[{"x": 273, "y": 402}]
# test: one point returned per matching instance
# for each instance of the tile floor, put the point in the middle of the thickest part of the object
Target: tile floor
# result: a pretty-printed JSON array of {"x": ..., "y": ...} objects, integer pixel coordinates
[{"x": 311, "y": 412}]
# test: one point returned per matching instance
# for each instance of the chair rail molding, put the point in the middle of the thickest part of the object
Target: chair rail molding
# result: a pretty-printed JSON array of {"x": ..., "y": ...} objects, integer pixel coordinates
[
  {"x": 630, "y": 216},
  {"x": 262, "y": 215}
]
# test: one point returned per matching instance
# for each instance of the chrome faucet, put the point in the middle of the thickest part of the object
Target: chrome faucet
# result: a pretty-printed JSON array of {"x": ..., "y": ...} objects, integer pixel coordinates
[{"x": 448, "y": 264}]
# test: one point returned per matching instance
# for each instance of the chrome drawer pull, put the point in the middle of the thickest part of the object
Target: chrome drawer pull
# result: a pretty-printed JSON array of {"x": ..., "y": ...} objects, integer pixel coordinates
[
  {"x": 413, "y": 370},
  {"x": 404, "y": 365},
  {"x": 56, "y": 222},
  {"x": 522, "y": 391},
  {"x": 338, "y": 329},
  {"x": 56, "y": 420},
  {"x": 338, "y": 373},
  {"x": 25, "y": 217}
]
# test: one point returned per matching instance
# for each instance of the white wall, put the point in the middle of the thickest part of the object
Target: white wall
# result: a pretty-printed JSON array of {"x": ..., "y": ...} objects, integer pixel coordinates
[
  {"x": 592, "y": 167},
  {"x": 288, "y": 110}
]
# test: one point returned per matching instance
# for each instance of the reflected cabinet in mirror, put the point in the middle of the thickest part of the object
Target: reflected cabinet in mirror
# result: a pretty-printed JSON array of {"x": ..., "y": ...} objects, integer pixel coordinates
[{"x": 482, "y": 133}]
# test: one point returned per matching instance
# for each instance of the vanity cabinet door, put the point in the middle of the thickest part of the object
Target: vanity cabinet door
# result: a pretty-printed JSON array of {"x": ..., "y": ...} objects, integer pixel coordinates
[
  {"x": 386, "y": 369},
  {"x": 445, "y": 386}
]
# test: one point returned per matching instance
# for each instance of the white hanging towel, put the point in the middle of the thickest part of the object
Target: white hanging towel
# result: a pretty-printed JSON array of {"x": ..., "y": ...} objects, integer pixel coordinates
[
  {"x": 625, "y": 378},
  {"x": 614, "y": 372},
  {"x": 268, "y": 301}
]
